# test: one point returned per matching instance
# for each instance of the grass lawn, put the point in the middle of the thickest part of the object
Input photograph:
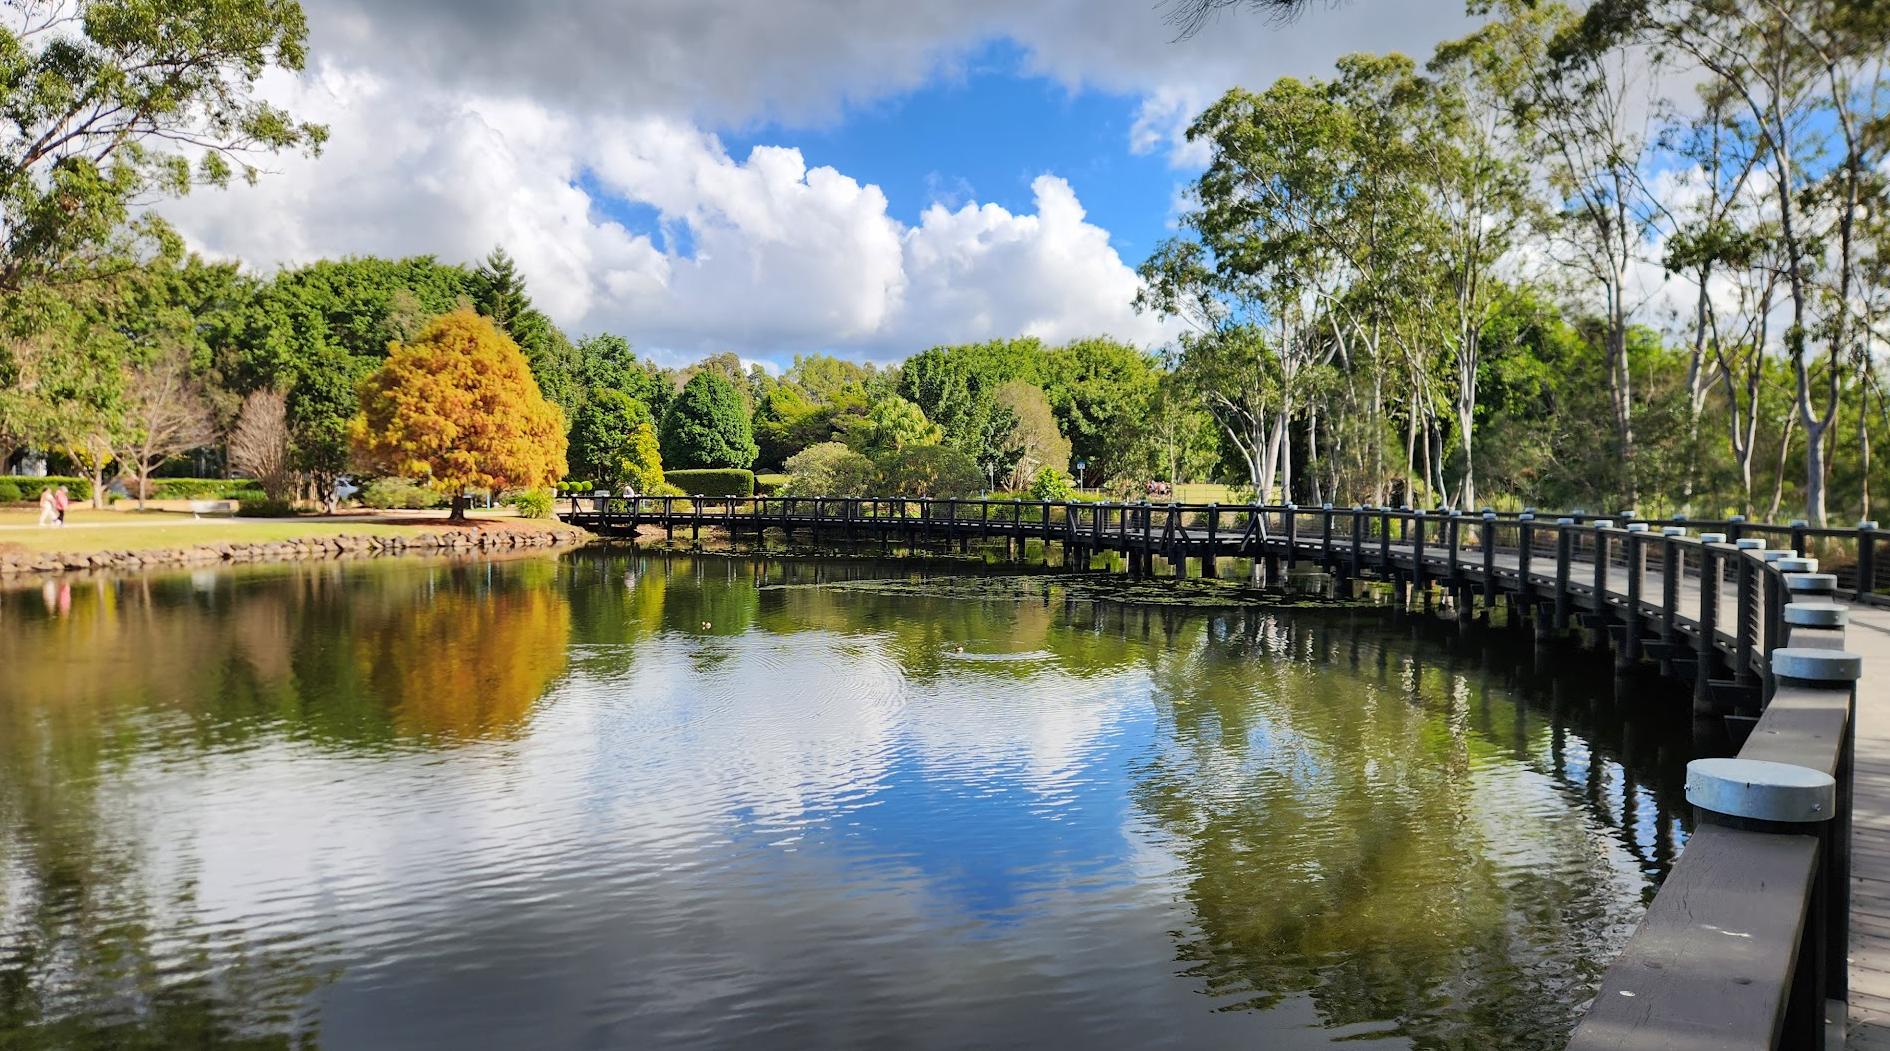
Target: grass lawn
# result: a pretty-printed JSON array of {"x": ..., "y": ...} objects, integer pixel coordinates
[{"x": 88, "y": 530}]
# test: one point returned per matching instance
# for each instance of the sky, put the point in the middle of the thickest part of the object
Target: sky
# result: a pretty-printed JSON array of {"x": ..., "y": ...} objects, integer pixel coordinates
[{"x": 847, "y": 176}]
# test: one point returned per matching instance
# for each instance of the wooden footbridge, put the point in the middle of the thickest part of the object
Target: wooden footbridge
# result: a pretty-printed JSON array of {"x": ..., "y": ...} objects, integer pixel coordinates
[{"x": 1772, "y": 930}]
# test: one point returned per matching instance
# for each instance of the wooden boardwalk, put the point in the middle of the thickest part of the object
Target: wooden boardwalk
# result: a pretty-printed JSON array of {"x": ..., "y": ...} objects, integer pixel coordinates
[{"x": 1702, "y": 608}]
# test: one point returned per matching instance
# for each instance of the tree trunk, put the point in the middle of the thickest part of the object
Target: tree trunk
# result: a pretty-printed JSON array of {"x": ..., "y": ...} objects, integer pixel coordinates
[{"x": 459, "y": 507}]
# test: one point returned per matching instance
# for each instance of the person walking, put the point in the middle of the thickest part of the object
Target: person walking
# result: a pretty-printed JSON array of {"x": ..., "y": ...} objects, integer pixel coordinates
[
  {"x": 61, "y": 500},
  {"x": 48, "y": 516}
]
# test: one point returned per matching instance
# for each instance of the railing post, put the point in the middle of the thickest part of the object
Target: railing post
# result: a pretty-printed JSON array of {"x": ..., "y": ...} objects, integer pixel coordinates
[
  {"x": 1213, "y": 540},
  {"x": 1708, "y": 620},
  {"x": 1866, "y": 558},
  {"x": 1600, "y": 584},
  {"x": 1415, "y": 528},
  {"x": 1489, "y": 561},
  {"x": 669, "y": 518},
  {"x": 1325, "y": 536},
  {"x": 1563, "y": 539},
  {"x": 1636, "y": 578},
  {"x": 1672, "y": 568},
  {"x": 1385, "y": 565},
  {"x": 1292, "y": 536},
  {"x": 1750, "y": 606},
  {"x": 1358, "y": 541}
]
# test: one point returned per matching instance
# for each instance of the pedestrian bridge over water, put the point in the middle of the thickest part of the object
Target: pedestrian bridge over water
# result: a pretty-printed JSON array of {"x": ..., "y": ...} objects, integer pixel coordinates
[{"x": 1773, "y": 928}]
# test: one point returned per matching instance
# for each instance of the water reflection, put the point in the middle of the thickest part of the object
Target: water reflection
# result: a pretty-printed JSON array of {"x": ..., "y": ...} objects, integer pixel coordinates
[{"x": 623, "y": 799}]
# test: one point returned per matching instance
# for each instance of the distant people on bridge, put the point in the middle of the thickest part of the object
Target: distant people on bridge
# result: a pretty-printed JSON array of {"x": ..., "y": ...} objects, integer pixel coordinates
[{"x": 1155, "y": 488}]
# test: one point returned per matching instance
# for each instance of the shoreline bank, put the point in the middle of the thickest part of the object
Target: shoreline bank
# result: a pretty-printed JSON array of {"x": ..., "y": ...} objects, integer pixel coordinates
[{"x": 453, "y": 540}]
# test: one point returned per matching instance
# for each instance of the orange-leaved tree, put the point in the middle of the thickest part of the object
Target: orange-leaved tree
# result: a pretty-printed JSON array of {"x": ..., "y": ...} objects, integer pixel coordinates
[{"x": 457, "y": 409}]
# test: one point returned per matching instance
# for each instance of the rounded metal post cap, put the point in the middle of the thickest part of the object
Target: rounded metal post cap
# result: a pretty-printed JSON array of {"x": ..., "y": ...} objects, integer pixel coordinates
[
  {"x": 1712, "y": 538},
  {"x": 1815, "y": 665},
  {"x": 1325, "y": 507},
  {"x": 1773, "y": 554},
  {"x": 1529, "y": 510},
  {"x": 1565, "y": 520},
  {"x": 1489, "y": 516},
  {"x": 1816, "y": 614},
  {"x": 1526, "y": 516},
  {"x": 1868, "y": 523},
  {"x": 1817, "y": 583},
  {"x": 1749, "y": 543},
  {"x": 1737, "y": 518},
  {"x": 1637, "y": 527},
  {"x": 1800, "y": 523},
  {"x": 1603, "y": 523},
  {"x": 1761, "y": 790},
  {"x": 1795, "y": 564},
  {"x": 1673, "y": 531}
]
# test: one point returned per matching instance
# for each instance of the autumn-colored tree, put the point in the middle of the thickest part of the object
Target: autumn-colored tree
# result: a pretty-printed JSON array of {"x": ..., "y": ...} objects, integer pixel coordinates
[{"x": 457, "y": 408}]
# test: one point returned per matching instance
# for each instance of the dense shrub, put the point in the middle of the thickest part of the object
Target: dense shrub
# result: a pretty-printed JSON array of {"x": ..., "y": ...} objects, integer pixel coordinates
[
  {"x": 77, "y": 488},
  {"x": 263, "y": 507},
  {"x": 532, "y": 503},
  {"x": 389, "y": 493},
  {"x": 9, "y": 492},
  {"x": 712, "y": 482}
]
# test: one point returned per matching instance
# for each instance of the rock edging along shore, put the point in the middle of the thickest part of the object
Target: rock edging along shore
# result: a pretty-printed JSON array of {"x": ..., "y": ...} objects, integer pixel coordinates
[{"x": 340, "y": 545}]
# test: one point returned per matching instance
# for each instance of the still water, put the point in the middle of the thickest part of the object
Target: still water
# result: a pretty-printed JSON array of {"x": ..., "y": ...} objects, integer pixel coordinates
[{"x": 636, "y": 800}]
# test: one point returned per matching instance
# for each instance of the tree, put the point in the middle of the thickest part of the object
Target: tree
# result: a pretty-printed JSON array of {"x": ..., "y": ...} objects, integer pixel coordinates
[
  {"x": 707, "y": 426},
  {"x": 259, "y": 444},
  {"x": 892, "y": 424},
  {"x": 614, "y": 443},
  {"x": 166, "y": 413},
  {"x": 928, "y": 471},
  {"x": 457, "y": 408},
  {"x": 1033, "y": 442},
  {"x": 103, "y": 103}
]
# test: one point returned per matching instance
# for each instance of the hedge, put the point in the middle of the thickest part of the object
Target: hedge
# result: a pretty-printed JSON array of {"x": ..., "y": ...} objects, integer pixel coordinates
[
  {"x": 203, "y": 489},
  {"x": 77, "y": 488},
  {"x": 719, "y": 482}
]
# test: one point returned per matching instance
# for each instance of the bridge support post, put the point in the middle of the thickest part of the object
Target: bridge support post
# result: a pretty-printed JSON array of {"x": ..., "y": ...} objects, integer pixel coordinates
[{"x": 1636, "y": 576}]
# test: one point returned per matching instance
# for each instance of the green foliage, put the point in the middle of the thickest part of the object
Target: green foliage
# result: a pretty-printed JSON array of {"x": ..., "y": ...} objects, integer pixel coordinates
[
  {"x": 1052, "y": 484},
  {"x": 712, "y": 482},
  {"x": 387, "y": 494},
  {"x": 532, "y": 503},
  {"x": 830, "y": 469},
  {"x": 707, "y": 426},
  {"x": 1033, "y": 441},
  {"x": 9, "y": 492},
  {"x": 930, "y": 471},
  {"x": 263, "y": 507}
]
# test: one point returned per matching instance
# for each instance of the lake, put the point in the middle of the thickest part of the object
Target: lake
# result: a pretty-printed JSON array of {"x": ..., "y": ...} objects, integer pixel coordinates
[{"x": 632, "y": 799}]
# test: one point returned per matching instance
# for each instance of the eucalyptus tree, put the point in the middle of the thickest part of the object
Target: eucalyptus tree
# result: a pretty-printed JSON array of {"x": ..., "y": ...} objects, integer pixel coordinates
[
  {"x": 107, "y": 104},
  {"x": 1806, "y": 78},
  {"x": 1480, "y": 188}
]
